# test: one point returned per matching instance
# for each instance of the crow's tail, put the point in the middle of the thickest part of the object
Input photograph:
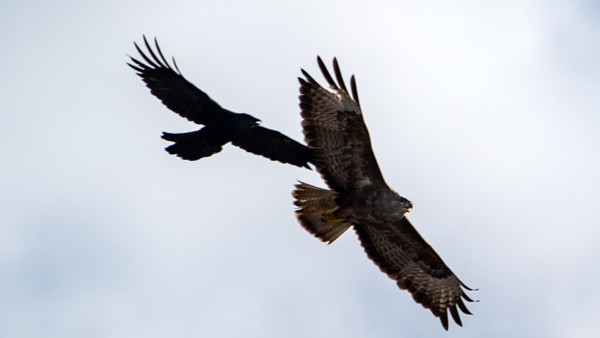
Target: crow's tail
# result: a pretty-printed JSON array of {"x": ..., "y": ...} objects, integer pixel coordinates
[{"x": 195, "y": 145}]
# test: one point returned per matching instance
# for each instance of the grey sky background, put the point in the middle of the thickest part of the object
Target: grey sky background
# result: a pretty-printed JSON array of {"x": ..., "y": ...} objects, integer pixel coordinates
[{"x": 484, "y": 114}]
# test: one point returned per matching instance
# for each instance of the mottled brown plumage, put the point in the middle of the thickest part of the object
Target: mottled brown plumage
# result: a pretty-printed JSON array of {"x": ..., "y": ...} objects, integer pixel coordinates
[{"x": 334, "y": 129}]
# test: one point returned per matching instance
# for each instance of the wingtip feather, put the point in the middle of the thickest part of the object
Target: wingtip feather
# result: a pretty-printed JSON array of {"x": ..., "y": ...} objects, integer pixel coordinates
[{"x": 326, "y": 73}]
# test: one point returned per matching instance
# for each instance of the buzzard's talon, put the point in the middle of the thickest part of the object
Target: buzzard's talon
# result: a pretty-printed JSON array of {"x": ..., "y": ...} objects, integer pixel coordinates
[
  {"x": 334, "y": 220},
  {"x": 329, "y": 218},
  {"x": 328, "y": 212}
]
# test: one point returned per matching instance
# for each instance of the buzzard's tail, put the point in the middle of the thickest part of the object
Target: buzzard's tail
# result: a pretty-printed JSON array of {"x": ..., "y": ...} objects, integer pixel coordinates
[
  {"x": 317, "y": 212},
  {"x": 196, "y": 144}
]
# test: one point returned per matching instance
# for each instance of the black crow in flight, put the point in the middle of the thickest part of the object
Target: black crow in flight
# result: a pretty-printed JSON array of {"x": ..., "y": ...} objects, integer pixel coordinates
[{"x": 220, "y": 125}]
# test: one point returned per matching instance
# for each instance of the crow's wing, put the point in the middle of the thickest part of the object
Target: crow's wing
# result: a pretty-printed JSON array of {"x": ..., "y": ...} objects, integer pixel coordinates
[
  {"x": 275, "y": 146},
  {"x": 175, "y": 92}
]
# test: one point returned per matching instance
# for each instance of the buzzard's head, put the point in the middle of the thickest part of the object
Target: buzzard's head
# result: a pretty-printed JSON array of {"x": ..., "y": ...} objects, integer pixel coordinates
[
  {"x": 406, "y": 204},
  {"x": 403, "y": 205},
  {"x": 391, "y": 205}
]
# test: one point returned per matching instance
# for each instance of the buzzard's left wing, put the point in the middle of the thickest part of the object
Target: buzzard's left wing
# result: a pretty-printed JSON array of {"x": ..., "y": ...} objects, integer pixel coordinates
[{"x": 401, "y": 253}]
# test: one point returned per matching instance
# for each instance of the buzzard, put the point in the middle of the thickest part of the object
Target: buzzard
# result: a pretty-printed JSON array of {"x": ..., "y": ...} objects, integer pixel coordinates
[
  {"x": 220, "y": 125},
  {"x": 359, "y": 197}
]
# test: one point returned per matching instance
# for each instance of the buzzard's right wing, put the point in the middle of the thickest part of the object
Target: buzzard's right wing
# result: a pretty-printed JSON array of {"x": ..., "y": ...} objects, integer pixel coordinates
[{"x": 334, "y": 128}]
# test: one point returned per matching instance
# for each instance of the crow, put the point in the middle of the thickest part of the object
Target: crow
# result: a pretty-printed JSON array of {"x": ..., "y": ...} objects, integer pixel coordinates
[{"x": 220, "y": 125}]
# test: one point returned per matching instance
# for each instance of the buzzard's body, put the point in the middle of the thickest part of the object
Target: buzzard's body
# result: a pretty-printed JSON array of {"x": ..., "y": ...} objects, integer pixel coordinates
[{"x": 334, "y": 129}]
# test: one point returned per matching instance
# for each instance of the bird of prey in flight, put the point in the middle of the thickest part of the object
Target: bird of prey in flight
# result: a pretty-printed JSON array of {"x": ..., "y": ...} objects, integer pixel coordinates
[
  {"x": 220, "y": 125},
  {"x": 339, "y": 146},
  {"x": 359, "y": 197}
]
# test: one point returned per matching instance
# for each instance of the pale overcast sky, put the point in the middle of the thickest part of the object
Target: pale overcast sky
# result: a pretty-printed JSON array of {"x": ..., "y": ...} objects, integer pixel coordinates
[{"x": 484, "y": 114}]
